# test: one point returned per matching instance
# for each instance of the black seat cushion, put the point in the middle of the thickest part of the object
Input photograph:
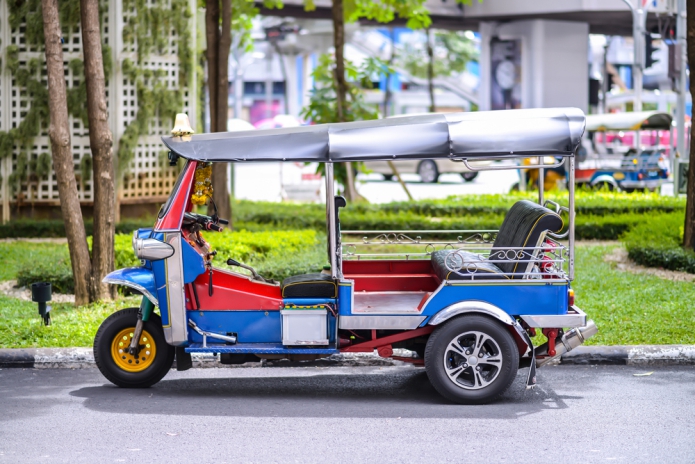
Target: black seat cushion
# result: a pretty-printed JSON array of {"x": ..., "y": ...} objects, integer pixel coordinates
[
  {"x": 524, "y": 225},
  {"x": 309, "y": 286},
  {"x": 465, "y": 265}
]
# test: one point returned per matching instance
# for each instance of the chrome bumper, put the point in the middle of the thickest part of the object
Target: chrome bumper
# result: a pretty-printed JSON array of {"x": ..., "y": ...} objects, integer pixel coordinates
[{"x": 575, "y": 317}]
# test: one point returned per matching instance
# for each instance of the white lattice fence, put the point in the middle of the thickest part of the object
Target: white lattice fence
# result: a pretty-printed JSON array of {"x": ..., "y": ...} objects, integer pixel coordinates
[{"x": 148, "y": 177}]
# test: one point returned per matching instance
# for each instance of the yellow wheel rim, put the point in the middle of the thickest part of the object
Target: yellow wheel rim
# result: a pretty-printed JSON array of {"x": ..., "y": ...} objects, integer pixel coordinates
[{"x": 125, "y": 360}]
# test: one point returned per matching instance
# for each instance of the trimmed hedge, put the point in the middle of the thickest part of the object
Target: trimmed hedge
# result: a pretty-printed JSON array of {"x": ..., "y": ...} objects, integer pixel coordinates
[
  {"x": 55, "y": 228},
  {"x": 275, "y": 254},
  {"x": 462, "y": 212},
  {"x": 657, "y": 243}
]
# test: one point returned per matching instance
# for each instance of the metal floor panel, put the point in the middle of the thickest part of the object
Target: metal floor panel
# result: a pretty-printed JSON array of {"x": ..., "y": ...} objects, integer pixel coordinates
[
  {"x": 260, "y": 348},
  {"x": 387, "y": 302}
]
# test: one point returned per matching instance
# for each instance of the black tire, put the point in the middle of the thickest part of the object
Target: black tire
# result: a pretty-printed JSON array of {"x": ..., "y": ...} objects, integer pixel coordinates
[
  {"x": 388, "y": 177},
  {"x": 469, "y": 176},
  {"x": 468, "y": 385},
  {"x": 105, "y": 339},
  {"x": 603, "y": 185},
  {"x": 428, "y": 172}
]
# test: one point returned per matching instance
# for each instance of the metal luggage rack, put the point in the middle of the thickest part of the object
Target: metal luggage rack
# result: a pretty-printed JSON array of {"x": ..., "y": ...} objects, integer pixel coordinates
[{"x": 551, "y": 254}]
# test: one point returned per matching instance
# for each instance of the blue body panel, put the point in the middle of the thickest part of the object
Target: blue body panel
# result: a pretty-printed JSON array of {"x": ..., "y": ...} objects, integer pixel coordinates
[
  {"x": 529, "y": 297},
  {"x": 160, "y": 281},
  {"x": 250, "y": 326},
  {"x": 193, "y": 263},
  {"x": 345, "y": 297},
  {"x": 260, "y": 348}
]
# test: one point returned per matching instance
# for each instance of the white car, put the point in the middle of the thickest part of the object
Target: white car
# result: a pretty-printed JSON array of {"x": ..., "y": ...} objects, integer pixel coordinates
[{"x": 428, "y": 170}]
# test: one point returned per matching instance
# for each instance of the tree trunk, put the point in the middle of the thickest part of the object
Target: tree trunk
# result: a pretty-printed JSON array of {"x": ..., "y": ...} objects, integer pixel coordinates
[
  {"x": 341, "y": 87},
  {"x": 339, "y": 45},
  {"x": 388, "y": 94},
  {"x": 100, "y": 142},
  {"x": 212, "y": 33},
  {"x": 430, "y": 70},
  {"x": 59, "y": 133},
  {"x": 689, "y": 229},
  {"x": 219, "y": 175},
  {"x": 219, "y": 43}
]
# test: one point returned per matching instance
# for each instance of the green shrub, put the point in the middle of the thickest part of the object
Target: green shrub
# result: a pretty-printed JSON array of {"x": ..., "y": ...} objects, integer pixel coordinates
[
  {"x": 263, "y": 216},
  {"x": 277, "y": 254},
  {"x": 657, "y": 243},
  {"x": 302, "y": 215},
  {"x": 53, "y": 228},
  {"x": 58, "y": 273}
]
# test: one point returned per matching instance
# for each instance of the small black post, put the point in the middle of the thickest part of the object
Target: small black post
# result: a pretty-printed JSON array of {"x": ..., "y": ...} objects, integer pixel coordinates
[{"x": 41, "y": 292}]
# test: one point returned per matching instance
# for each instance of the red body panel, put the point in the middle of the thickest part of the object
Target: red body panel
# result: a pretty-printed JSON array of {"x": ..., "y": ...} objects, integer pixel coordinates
[
  {"x": 181, "y": 203},
  {"x": 391, "y": 275},
  {"x": 233, "y": 292}
]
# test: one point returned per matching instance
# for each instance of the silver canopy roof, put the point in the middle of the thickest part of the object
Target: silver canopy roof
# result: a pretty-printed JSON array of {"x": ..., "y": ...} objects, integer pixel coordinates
[{"x": 484, "y": 134}]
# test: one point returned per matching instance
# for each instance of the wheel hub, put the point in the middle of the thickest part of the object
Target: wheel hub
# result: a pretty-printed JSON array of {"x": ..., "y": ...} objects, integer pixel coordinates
[
  {"x": 473, "y": 360},
  {"x": 133, "y": 362}
]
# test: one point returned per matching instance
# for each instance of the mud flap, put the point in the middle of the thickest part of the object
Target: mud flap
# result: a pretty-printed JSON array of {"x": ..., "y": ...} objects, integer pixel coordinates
[
  {"x": 183, "y": 359},
  {"x": 531, "y": 380}
]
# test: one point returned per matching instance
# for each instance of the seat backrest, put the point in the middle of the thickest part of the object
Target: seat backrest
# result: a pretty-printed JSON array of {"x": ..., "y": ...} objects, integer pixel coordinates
[{"x": 524, "y": 228}]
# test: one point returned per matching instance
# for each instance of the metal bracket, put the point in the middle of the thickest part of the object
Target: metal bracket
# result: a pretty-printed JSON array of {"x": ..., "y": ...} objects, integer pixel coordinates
[{"x": 205, "y": 334}]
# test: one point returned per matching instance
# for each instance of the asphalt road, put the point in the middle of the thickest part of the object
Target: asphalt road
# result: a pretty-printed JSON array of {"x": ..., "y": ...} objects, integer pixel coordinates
[{"x": 577, "y": 414}]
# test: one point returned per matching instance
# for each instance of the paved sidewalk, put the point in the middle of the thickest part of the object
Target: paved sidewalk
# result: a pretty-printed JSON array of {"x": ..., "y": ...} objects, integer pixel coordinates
[{"x": 75, "y": 358}]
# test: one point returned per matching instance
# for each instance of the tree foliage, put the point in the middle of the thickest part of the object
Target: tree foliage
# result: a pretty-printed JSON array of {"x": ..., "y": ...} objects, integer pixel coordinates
[{"x": 452, "y": 52}]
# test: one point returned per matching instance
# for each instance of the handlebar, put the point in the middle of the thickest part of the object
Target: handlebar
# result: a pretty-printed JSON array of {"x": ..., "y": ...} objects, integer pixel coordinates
[{"x": 205, "y": 222}]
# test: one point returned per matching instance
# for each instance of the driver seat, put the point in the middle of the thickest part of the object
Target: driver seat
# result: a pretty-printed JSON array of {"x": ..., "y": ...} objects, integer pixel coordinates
[{"x": 309, "y": 286}]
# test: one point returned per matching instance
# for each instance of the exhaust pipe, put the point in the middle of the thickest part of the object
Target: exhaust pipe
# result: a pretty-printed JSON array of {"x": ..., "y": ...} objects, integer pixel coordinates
[{"x": 569, "y": 341}]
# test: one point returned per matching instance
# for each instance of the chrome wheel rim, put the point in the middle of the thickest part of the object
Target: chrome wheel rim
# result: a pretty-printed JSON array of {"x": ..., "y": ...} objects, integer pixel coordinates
[
  {"x": 427, "y": 171},
  {"x": 472, "y": 360}
]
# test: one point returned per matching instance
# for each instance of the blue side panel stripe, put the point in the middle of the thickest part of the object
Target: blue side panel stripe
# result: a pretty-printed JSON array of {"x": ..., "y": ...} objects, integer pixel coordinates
[{"x": 260, "y": 348}]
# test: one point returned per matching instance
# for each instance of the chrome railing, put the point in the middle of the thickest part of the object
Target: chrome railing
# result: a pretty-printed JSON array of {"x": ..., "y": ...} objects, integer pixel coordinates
[{"x": 471, "y": 252}]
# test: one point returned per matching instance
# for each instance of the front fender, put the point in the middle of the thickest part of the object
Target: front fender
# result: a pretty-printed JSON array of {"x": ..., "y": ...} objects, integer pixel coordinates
[{"x": 139, "y": 278}]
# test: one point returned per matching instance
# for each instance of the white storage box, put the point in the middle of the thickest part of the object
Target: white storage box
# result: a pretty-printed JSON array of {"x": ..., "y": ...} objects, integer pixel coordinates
[{"x": 304, "y": 327}]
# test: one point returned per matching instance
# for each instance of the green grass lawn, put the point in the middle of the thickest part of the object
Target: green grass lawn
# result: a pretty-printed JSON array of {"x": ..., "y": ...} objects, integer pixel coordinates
[
  {"x": 16, "y": 255},
  {"x": 21, "y": 326},
  {"x": 628, "y": 308}
]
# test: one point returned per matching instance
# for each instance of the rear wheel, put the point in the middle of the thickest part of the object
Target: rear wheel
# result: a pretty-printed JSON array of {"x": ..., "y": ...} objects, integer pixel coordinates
[
  {"x": 471, "y": 359},
  {"x": 140, "y": 370},
  {"x": 469, "y": 176},
  {"x": 428, "y": 172}
]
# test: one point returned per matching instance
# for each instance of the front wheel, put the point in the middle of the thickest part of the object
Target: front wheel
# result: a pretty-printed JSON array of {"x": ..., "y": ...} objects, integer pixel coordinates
[
  {"x": 141, "y": 370},
  {"x": 471, "y": 359}
]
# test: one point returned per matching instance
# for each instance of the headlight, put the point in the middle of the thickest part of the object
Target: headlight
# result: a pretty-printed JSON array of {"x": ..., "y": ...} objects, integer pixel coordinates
[{"x": 151, "y": 249}]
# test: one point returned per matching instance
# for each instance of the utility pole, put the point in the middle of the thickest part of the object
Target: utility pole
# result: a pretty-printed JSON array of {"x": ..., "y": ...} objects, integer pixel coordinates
[
  {"x": 681, "y": 35},
  {"x": 639, "y": 21}
]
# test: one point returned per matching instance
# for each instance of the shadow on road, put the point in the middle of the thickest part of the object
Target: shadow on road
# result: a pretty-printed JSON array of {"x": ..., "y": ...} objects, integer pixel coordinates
[{"x": 408, "y": 395}]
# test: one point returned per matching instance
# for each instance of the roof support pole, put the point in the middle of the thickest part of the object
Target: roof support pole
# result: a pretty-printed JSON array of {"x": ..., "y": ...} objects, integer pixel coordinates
[
  {"x": 331, "y": 219},
  {"x": 541, "y": 179},
  {"x": 682, "y": 151},
  {"x": 571, "y": 225}
]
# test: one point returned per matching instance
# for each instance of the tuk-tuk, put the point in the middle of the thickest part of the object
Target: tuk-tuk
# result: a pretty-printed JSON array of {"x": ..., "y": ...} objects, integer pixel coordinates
[
  {"x": 465, "y": 302},
  {"x": 633, "y": 169}
]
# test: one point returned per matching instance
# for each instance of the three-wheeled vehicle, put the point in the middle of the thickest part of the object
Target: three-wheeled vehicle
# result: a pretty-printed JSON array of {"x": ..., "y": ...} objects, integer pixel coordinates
[
  {"x": 633, "y": 169},
  {"x": 465, "y": 301}
]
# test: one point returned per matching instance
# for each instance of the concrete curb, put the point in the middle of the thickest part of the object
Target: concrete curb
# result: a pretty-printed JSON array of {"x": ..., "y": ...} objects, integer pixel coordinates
[{"x": 77, "y": 358}]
